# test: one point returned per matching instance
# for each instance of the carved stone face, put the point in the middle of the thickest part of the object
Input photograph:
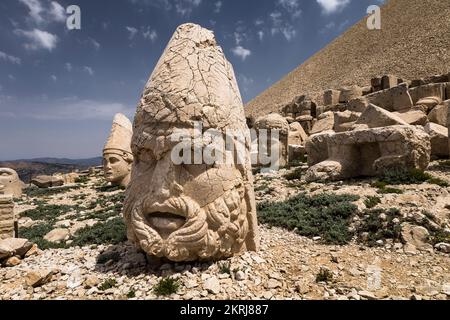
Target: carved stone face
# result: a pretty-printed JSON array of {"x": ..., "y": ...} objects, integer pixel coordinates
[
  {"x": 10, "y": 182},
  {"x": 185, "y": 212},
  {"x": 189, "y": 211},
  {"x": 117, "y": 169}
]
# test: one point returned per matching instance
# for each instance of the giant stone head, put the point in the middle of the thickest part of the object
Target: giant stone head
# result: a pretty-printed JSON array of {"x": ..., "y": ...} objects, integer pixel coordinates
[{"x": 190, "y": 211}]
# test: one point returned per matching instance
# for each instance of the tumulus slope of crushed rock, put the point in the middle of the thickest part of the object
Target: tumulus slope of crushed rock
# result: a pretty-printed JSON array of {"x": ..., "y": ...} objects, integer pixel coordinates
[{"x": 412, "y": 43}]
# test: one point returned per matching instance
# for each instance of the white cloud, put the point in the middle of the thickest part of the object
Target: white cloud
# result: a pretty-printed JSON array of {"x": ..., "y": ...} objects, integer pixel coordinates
[
  {"x": 185, "y": 7},
  {"x": 38, "y": 39},
  {"x": 332, "y": 6},
  {"x": 53, "y": 77},
  {"x": 291, "y": 6},
  {"x": 150, "y": 34},
  {"x": 281, "y": 27},
  {"x": 218, "y": 6},
  {"x": 57, "y": 12},
  {"x": 94, "y": 42},
  {"x": 9, "y": 58},
  {"x": 245, "y": 82},
  {"x": 261, "y": 35},
  {"x": 241, "y": 52},
  {"x": 35, "y": 8},
  {"x": 11, "y": 77},
  {"x": 42, "y": 12},
  {"x": 132, "y": 32},
  {"x": 68, "y": 66},
  {"x": 89, "y": 70}
]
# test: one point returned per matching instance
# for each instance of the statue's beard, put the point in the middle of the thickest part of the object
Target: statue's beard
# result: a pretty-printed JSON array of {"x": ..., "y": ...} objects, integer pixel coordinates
[{"x": 180, "y": 230}]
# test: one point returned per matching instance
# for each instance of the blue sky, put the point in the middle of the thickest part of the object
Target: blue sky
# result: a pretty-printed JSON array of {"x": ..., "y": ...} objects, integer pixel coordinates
[{"x": 60, "y": 88}]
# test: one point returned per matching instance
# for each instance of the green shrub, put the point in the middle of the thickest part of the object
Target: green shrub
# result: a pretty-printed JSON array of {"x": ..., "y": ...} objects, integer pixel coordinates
[
  {"x": 413, "y": 176},
  {"x": 166, "y": 287},
  {"x": 327, "y": 216},
  {"x": 108, "y": 256},
  {"x": 225, "y": 267},
  {"x": 48, "y": 213},
  {"x": 110, "y": 232},
  {"x": 372, "y": 202},
  {"x": 108, "y": 284},
  {"x": 82, "y": 179},
  {"x": 379, "y": 229},
  {"x": 324, "y": 275},
  {"x": 36, "y": 235},
  {"x": 389, "y": 190},
  {"x": 37, "y": 192},
  {"x": 131, "y": 294}
]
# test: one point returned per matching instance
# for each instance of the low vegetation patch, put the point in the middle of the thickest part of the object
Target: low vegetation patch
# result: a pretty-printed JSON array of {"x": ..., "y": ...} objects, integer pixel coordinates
[
  {"x": 37, "y": 192},
  {"x": 108, "y": 284},
  {"x": 108, "y": 256},
  {"x": 414, "y": 176},
  {"x": 49, "y": 213},
  {"x": 166, "y": 287},
  {"x": 373, "y": 228},
  {"x": 36, "y": 235},
  {"x": 225, "y": 267},
  {"x": 372, "y": 202},
  {"x": 327, "y": 216},
  {"x": 324, "y": 275},
  {"x": 109, "y": 232}
]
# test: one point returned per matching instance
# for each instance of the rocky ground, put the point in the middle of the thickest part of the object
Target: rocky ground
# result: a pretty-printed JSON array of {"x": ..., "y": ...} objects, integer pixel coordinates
[{"x": 87, "y": 257}]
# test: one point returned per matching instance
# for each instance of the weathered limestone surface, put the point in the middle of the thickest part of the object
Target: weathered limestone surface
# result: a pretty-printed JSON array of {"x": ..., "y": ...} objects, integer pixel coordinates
[
  {"x": 376, "y": 117},
  {"x": 368, "y": 152},
  {"x": 350, "y": 93},
  {"x": 7, "y": 217},
  {"x": 47, "y": 181},
  {"x": 439, "y": 140},
  {"x": 117, "y": 156},
  {"x": 324, "y": 122},
  {"x": 394, "y": 99},
  {"x": 344, "y": 121},
  {"x": 189, "y": 212},
  {"x": 413, "y": 117},
  {"x": 10, "y": 182},
  {"x": 275, "y": 122},
  {"x": 331, "y": 97},
  {"x": 297, "y": 135},
  {"x": 430, "y": 90},
  {"x": 439, "y": 114}
]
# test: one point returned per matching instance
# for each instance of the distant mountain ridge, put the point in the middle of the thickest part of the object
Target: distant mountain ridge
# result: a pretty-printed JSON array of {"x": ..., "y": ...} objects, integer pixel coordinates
[{"x": 30, "y": 168}]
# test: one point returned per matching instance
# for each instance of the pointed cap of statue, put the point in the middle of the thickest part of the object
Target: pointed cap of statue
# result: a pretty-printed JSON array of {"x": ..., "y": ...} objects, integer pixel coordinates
[
  {"x": 119, "y": 140},
  {"x": 191, "y": 211}
]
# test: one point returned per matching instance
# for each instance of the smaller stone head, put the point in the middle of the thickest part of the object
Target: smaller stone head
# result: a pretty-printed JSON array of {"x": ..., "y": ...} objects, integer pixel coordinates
[
  {"x": 117, "y": 156},
  {"x": 9, "y": 180}
]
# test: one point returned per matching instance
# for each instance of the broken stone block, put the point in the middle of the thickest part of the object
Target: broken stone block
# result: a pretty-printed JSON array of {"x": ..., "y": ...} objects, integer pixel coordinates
[
  {"x": 349, "y": 93},
  {"x": 439, "y": 114},
  {"x": 324, "y": 122},
  {"x": 297, "y": 135},
  {"x": 376, "y": 84},
  {"x": 429, "y": 103},
  {"x": 343, "y": 121},
  {"x": 275, "y": 122},
  {"x": 47, "y": 181},
  {"x": 358, "y": 105},
  {"x": 331, "y": 97},
  {"x": 429, "y": 90},
  {"x": 376, "y": 117},
  {"x": 413, "y": 116},
  {"x": 7, "y": 217},
  {"x": 416, "y": 236},
  {"x": 394, "y": 99},
  {"x": 389, "y": 81},
  {"x": 369, "y": 152},
  {"x": 317, "y": 147},
  {"x": 366, "y": 90},
  {"x": 439, "y": 140}
]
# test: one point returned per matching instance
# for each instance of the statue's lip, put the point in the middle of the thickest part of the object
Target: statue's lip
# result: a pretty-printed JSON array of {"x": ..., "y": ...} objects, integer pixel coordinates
[{"x": 158, "y": 208}]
